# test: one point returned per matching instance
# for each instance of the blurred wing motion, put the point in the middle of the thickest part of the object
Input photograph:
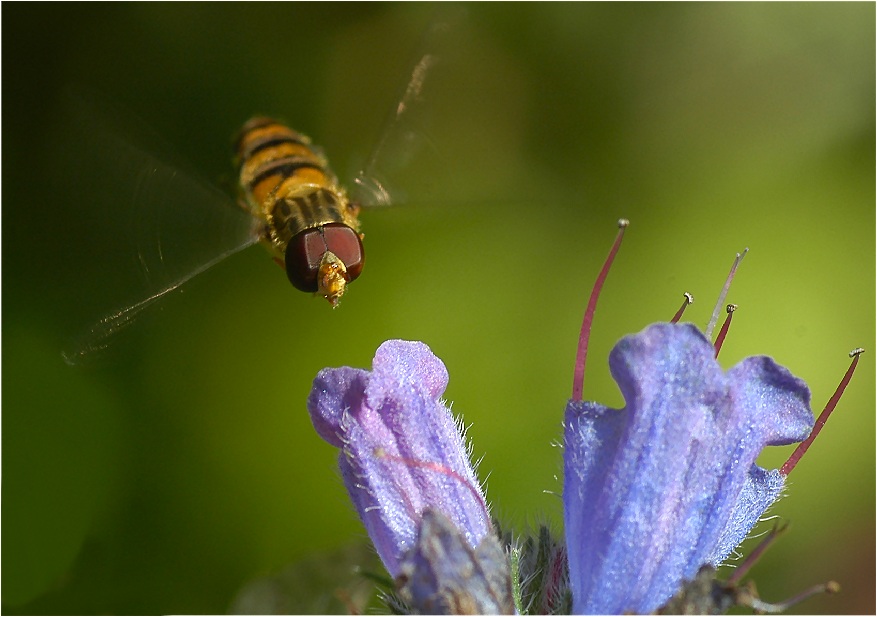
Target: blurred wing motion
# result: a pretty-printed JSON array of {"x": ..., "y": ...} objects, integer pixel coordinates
[
  {"x": 148, "y": 227},
  {"x": 453, "y": 133},
  {"x": 407, "y": 133},
  {"x": 159, "y": 226}
]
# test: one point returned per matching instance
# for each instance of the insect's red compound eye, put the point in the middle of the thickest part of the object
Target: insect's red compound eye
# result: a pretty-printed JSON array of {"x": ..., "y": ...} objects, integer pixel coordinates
[{"x": 305, "y": 251}]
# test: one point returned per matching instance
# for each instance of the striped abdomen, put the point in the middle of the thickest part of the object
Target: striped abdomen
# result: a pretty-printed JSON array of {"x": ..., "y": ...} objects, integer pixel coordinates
[{"x": 310, "y": 225}]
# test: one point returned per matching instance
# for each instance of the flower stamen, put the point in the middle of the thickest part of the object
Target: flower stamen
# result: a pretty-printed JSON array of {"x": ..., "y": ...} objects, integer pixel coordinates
[
  {"x": 789, "y": 465},
  {"x": 723, "y": 294},
  {"x": 723, "y": 331},
  {"x": 746, "y": 595},
  {"x": 761, "y": 606},
  {"x": 741, "y": 570},
  {"x": 585, "y": 334},
  {"x": 689, "y": 299}
]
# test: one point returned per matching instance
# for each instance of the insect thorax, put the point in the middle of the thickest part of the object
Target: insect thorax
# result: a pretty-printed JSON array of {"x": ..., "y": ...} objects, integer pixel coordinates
[{"x": 305, "y": 207}]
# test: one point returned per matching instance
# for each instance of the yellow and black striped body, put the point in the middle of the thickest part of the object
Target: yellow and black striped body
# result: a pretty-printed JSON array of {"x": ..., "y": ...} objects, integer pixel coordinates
[{"x": 311, "y": 228}]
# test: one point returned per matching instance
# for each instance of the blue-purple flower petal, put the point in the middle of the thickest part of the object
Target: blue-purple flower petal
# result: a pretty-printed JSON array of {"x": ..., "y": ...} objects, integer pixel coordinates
[
  {"x": 401, "y": 449},
  {"x": 669, "y": 483}
]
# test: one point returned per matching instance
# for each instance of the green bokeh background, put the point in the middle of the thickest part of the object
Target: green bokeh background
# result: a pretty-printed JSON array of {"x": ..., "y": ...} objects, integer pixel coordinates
[{"x": 163, "y": 479}]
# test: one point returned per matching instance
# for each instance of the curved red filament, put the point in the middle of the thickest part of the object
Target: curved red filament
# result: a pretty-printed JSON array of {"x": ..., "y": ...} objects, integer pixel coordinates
[
  {"x": 789, "y": 465},
  {"x": 585, "y": 334},
  {"x": 689, "y": 299},
  {"x": 723, "y": 331}
]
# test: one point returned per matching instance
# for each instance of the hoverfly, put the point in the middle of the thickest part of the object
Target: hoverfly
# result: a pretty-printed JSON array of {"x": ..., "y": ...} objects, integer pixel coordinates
[
  {"x": 310, "y": 225},
  {"x": 290, "y": 201}
]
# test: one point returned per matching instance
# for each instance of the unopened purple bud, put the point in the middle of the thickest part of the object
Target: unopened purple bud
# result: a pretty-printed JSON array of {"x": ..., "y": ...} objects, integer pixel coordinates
[{"x": 402, "y": 452}]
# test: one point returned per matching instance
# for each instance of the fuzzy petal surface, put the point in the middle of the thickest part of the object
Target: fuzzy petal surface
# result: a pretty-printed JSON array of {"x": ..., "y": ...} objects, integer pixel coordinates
[
  {"x": 669, "y": 483},
  {"x": 401, "y": 449}
]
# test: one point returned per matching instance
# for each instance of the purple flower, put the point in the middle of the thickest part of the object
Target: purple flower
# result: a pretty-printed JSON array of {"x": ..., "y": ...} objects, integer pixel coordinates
[
  {"x": 669, "y": 483},
  {"x": 655, "y": 494},
  {"x": 402, "y": 452}
]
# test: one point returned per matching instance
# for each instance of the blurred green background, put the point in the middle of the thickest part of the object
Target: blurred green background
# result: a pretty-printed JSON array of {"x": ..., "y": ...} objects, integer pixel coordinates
[{"x": 163, "y": 478}]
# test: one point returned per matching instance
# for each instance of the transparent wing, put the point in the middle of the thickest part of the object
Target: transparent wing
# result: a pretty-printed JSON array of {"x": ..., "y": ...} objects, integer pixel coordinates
[
  {"x": 148, "y": 226},
  {"x": 406, "y": 134},
  {"x": 443, "y": 127}
]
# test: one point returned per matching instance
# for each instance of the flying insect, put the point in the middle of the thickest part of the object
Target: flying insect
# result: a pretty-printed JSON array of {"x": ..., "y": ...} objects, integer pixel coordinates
[
  {"x": 289, "y": 200},
  {"x": 310, "y": 224}
]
